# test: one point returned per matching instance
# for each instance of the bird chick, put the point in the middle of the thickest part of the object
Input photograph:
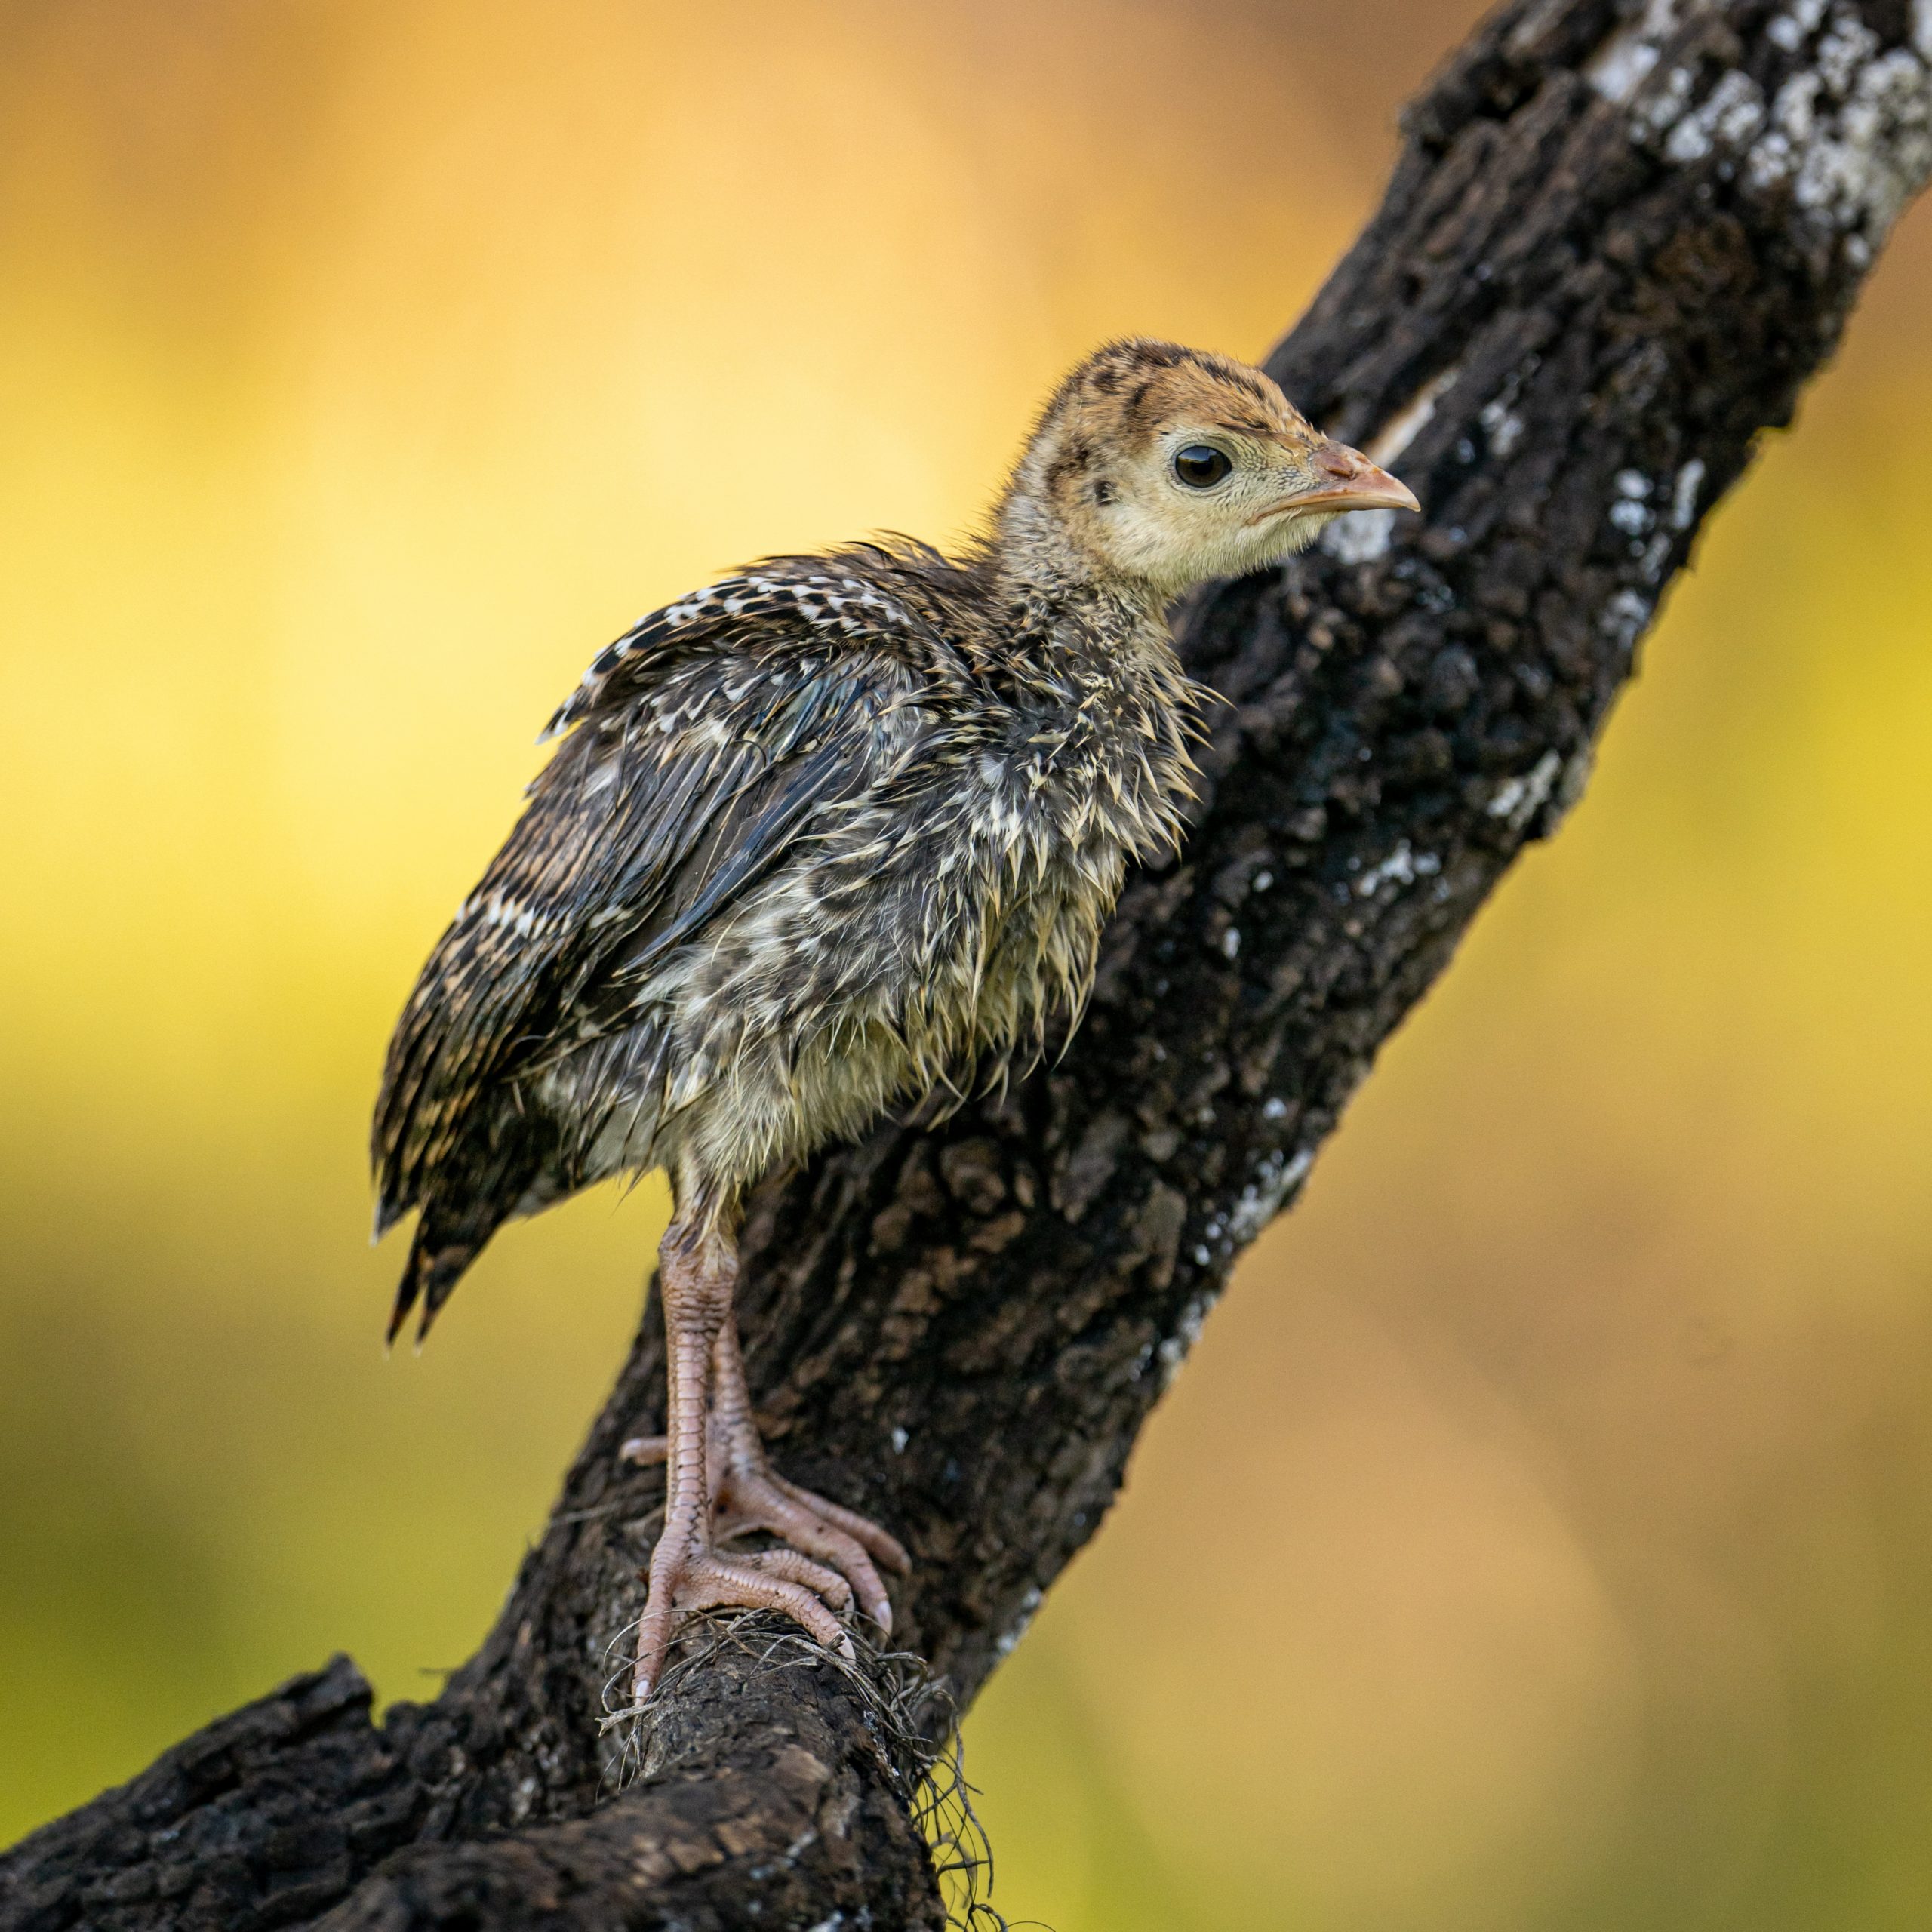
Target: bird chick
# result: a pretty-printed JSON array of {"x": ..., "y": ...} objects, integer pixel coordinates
[{"x": 821, "y": 838}]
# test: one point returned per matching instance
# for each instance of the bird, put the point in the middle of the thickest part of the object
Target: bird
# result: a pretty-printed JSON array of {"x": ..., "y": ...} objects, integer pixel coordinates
[{"x": 834, "y": 835}]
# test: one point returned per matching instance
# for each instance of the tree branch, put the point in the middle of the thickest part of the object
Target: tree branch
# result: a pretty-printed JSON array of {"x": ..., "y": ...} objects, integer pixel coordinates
[{"x": 1613, "y": 249}]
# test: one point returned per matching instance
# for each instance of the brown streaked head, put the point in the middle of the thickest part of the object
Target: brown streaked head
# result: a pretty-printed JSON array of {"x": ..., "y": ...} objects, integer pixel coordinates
[{"x": 1161, "y": 466}]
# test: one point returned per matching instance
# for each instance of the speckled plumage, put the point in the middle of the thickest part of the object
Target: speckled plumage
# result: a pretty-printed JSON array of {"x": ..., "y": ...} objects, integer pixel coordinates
[
  {"x": 833, "y": 834},
  {"x": 822, "y": 837}
]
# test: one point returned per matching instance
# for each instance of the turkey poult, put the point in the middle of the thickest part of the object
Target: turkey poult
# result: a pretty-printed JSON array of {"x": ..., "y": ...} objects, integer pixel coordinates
[{"x": 836, "y": 832}]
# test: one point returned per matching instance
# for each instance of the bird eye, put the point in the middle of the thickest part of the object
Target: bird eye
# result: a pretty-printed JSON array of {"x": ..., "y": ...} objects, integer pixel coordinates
[{"x": 1201, "y": 465}]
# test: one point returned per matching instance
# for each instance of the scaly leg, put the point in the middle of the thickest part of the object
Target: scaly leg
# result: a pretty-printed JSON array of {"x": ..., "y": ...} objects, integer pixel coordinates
[
  {"x": 747, "y": 1494},
  {"x": 698, "y": 1267},
  {"x": 753, "y": 1496}
]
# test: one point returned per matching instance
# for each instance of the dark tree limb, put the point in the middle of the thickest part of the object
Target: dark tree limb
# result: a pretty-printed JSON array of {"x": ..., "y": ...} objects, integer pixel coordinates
[{"x": 1614, "y": 249}]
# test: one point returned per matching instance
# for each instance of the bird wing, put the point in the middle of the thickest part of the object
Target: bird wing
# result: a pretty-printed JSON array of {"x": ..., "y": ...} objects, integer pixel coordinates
[{"x": 702, "y": 744}]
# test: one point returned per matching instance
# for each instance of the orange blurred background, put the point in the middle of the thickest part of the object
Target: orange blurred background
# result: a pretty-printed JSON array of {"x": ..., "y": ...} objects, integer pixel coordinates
[{"x": 1542, "y": 1537}]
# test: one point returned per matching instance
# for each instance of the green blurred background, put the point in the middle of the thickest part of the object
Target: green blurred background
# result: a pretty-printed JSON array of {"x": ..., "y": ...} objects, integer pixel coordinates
[{"x": 1542, "y": 1537}]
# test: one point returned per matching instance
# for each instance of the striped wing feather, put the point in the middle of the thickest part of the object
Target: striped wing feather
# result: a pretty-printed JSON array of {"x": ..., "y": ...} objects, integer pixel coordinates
[{"x": 702, "y": 744}]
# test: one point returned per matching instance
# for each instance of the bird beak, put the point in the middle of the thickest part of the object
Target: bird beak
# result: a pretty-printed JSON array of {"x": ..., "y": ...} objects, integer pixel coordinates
[{"x": 1350, "y": 482}]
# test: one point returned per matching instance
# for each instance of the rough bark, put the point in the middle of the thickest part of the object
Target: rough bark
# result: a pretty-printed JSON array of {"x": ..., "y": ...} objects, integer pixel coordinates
[{"x": 1613, "y": 249}]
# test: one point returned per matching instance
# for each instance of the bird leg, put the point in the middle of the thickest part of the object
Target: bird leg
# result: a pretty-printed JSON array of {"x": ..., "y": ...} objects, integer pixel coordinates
[
  {"x": 718, "y": 1484},
  {"x": 752, "y": 1496},
  {"x": 746, "y": 1494}
]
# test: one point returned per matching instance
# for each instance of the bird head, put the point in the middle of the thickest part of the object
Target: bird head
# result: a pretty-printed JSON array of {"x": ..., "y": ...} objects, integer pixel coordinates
[{"x": 1160, "y": 467}]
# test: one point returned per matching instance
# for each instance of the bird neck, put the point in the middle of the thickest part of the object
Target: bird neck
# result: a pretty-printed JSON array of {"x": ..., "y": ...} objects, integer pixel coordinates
[{"x": 1055, "y": 594}]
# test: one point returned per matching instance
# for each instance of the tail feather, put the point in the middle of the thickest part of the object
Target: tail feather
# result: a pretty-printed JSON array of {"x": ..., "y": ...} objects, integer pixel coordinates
[{"x": 440, "y": 1253}]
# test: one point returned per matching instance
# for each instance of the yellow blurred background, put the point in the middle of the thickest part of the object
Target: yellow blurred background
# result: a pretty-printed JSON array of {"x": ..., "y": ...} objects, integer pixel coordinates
[{"x": 1542, "y": 1537}]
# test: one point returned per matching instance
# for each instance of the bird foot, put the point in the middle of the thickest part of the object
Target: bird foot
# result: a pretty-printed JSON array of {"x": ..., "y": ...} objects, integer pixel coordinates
[
  {"x": 830, "y": 1557},
  {"x": 694, "y": 1577}
]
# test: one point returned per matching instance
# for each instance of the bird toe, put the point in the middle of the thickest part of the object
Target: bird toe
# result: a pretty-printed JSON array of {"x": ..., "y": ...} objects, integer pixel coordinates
[{"x": 756, "y": 1499}]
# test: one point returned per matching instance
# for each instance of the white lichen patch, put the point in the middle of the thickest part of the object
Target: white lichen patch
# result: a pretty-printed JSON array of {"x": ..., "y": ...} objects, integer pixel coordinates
[
  {"x": 1502, "y": 425},
  {"x": 1848, "y": 135},
  {"x": 1683, "y": 493},
  {"x": 1664, "y": 102},
  {"x": 1518, "y": 800},
  {"x": 1728, "y": 118},
  {"x": 1791, "y": 30},
  {"x": 1861, "y": 166},
  {"x": 1359, "y": 537},
  {"x": 1276, "y": 1178},
  {"x": 1624, "y": 617},
  {"x": 1008, "y": 1638},
  {"x": 1849, "y": 45},
  {"x": 1401, "y": 867},
  {"x": 1623, "y": 63},
  {"x": 1173, "y": 1351},
  {"x": 1576, "y": 776},
  {"x": 1631, "y": 514}
]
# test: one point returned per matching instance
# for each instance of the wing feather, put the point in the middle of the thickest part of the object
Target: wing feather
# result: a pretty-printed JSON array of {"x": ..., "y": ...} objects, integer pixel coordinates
[{"x": 701, "y": 745}]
